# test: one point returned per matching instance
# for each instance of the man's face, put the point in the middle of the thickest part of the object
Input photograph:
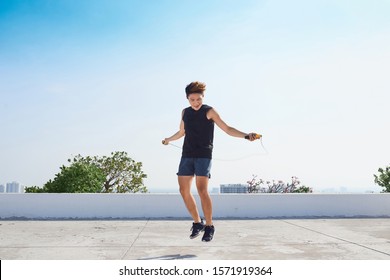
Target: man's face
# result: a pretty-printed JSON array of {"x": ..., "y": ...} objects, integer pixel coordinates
[{"x": 196, "y": 100}]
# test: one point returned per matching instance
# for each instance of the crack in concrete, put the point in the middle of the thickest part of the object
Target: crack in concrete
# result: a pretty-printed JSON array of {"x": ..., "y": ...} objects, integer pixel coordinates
[{"x": 338, "y": 238}]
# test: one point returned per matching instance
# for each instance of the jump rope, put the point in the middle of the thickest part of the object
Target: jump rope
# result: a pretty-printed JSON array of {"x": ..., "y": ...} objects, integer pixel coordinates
[{"x": 257, "y": 137}]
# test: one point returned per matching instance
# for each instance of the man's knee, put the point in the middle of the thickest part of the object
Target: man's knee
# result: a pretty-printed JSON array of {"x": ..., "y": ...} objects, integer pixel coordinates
[
  {"x": 184, "y": 192},
  {"x": 203, "y": 193}
]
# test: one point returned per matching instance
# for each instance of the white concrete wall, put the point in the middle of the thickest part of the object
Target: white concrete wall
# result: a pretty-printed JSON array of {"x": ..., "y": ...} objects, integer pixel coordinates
[{"x": 130, "y": 206}]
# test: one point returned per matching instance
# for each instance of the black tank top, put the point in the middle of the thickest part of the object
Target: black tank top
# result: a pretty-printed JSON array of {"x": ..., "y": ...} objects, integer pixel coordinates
[{"x": 199, "y": 133}]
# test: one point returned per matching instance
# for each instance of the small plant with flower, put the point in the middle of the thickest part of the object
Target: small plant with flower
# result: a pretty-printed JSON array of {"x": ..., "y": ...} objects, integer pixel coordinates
[{"x": 256, "y": 185}]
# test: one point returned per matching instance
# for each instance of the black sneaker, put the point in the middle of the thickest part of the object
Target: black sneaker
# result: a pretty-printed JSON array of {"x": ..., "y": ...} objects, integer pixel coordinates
[
  {"x": 196, "y": 229},
  {"x": 208, "y": 233}
]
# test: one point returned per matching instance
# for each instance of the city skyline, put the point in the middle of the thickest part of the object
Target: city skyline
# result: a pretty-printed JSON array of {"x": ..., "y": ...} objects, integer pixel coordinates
[
  {"x": 213, "y": 189},
  {"x": 11, "y": 187}
]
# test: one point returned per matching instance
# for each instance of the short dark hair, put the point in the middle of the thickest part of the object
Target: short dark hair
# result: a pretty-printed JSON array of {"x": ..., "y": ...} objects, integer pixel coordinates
[{"x": 195, "y": 87}]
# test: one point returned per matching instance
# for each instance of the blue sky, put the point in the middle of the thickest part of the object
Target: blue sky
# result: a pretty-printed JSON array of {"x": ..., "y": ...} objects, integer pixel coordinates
[{"x": 93, "y": 77}]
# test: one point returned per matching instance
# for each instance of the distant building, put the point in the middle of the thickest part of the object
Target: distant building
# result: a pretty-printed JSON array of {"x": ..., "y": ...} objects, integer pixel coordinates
[
  {"x": 2, "y": 189},
  {"x": 13, "y": 187},
  {"x": 233, "y": 188},
  {"x": 215, "y": 190}
]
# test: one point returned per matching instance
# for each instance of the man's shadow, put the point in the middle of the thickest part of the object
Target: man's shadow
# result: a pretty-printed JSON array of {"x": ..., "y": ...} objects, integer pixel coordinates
[{"x": 171, "y": 257}]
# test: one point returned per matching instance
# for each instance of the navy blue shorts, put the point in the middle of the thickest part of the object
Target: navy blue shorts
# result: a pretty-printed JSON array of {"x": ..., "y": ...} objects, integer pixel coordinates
[{"x": 194, "y": 166}]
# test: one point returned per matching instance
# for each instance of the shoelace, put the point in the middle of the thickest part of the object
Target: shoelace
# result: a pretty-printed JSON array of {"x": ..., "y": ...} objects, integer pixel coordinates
[
  {"x": 208, "y": 229},
  {"x": 195, "y": 224}
]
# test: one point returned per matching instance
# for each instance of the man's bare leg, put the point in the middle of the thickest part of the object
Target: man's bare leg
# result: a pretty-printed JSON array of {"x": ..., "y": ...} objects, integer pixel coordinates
[
  {"x": 189, "y": 200},
  {"x": 202, "y": 183}
]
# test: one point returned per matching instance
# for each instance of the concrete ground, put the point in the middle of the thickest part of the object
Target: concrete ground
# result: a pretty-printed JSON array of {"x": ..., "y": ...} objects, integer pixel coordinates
[{"x": 276, "y": 239}]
